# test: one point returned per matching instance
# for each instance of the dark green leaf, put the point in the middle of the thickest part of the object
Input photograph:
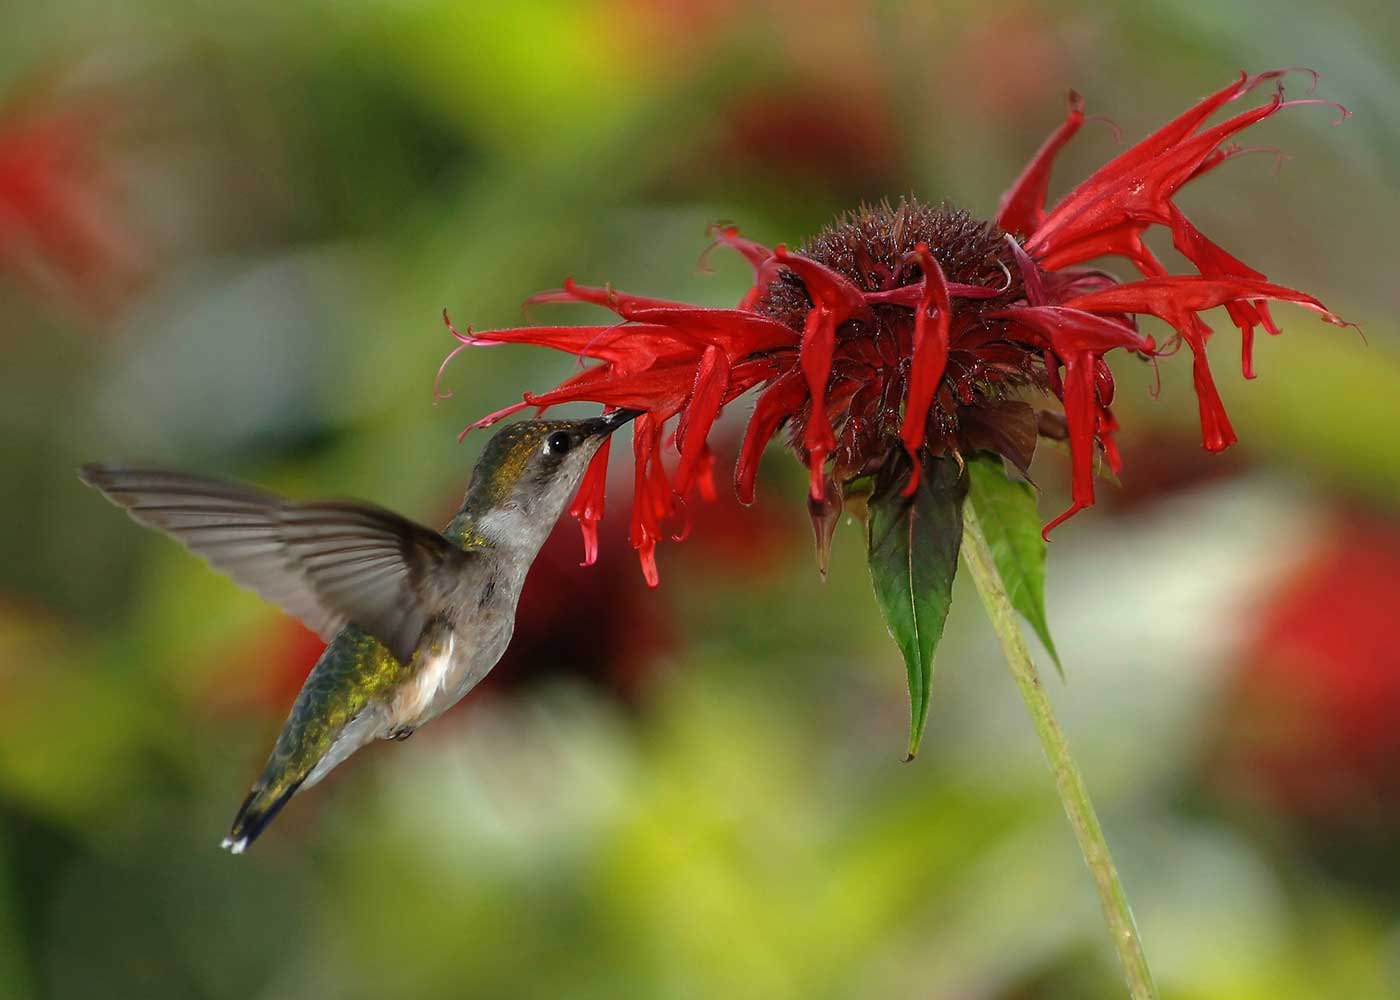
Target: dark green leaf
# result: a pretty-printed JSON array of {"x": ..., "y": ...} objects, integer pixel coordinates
[
  {"x": 1007, "y": 511},
  {"x": 912, "y": 547}
]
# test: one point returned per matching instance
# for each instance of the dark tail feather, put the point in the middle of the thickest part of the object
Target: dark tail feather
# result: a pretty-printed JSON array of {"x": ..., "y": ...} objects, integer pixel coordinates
[{"x": 259, "y": 809}]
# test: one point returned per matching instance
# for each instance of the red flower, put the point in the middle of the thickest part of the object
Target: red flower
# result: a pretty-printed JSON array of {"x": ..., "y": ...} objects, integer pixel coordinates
[
  {"x": 59, "y": 230},
  {"x": 914, "y": 330},
  {"x": 1309, "y": 728}
]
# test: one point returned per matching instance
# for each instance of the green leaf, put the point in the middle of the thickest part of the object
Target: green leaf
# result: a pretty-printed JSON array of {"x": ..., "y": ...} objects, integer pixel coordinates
[
  {"x": 912, "y": 548},
  {"x": 1007, "y": 510}
]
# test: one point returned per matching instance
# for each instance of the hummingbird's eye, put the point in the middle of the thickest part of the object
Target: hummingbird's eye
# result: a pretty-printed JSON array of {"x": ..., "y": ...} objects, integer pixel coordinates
[{"x": 558, "y": 443}]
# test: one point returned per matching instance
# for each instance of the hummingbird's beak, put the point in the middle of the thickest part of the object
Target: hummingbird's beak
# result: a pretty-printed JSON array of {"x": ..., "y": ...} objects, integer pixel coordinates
[{"x": 612, "y": 421}]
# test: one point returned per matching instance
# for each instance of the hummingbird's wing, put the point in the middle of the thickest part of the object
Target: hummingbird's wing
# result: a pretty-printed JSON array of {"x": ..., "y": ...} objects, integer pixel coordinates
[{"x": 328, "y": 564}]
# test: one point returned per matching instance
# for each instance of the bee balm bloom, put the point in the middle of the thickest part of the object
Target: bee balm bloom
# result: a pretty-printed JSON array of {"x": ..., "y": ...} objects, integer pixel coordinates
[{"x": 904, "y": 333}]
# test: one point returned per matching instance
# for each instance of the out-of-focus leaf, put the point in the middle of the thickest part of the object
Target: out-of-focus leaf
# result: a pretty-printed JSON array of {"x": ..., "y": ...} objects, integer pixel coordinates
[
  {"x": 912, "y": 547},
  {"x": 1007, "y": 510}
]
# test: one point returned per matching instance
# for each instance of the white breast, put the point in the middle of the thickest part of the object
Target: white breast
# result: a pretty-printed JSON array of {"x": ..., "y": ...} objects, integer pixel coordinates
[{"x": 432, "y": 689}]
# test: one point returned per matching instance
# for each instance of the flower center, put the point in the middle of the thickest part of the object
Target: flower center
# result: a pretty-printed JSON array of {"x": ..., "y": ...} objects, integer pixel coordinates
[
  {"x": 874, "y": 247},
  {"x": 871, "y": 246}
]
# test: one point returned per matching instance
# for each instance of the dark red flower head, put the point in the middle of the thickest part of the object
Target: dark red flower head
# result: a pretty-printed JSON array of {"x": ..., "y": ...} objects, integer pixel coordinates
[{"x": 921, "y": 331}]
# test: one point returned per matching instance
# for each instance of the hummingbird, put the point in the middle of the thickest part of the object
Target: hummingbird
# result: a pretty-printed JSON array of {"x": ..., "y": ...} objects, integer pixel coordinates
[{"x": 414, "y": 618}]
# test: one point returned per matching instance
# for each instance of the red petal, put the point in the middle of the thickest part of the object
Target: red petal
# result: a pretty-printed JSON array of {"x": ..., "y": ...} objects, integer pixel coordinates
[
  {"x": 1168, "y": 135},
  {"x": 711, "y": 385},
  {"x": 818, "y": 347},
  {"x": 835, "y": 300},
  {"x": 607, "y": 297},
  {"x": 930, "y": 353},
  {"x": 1168, "y": 298},
  {"x": 1122, "y": 240},
  {"x": 758, "y": 256},
  {"x": 739, "y": 333},
  {"x": 491, "y": 418},
  {"x": 661, "y": 390},
  {"x": 1137, "y": 186},
  {"x": 647, "y": 507},
  {"x": 587, "y": 506},
  {"x": 631, "y": 347},
  {"x": 1176, "y": 300},
  {"x": 1214, "y": 262},
  {"x": 775, "y": 404},
  {"x": 755, "y": 253},
  {"x": 1081, "y": 416},
  {"x": 1022, "y": 207},
  {"x": 1071, "y": 330}
]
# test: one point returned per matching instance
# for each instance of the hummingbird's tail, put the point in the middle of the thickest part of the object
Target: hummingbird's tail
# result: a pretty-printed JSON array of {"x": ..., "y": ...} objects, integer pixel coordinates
[{"x": 260, "y": 808}]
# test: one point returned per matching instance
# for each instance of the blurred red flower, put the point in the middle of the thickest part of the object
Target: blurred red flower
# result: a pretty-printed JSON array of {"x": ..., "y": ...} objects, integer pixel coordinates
[
  {"x": 1311, "y": 731},
  {"x": 910, "y": 330},
  {"x": 60, "y": 226}
]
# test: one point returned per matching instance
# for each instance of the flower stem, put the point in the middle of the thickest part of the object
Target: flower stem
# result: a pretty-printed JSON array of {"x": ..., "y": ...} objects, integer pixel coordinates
[{"x": 1074, "y": 796}]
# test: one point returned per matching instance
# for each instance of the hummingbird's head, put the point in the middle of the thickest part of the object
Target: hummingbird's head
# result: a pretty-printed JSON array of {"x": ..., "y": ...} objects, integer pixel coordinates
[{"x": 530, "y": 471}]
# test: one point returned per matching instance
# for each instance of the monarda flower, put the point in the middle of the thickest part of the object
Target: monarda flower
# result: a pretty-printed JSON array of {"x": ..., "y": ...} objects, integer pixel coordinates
[
  {"x": 924, "y": 331},
  {"x": 901, "y": 343}
]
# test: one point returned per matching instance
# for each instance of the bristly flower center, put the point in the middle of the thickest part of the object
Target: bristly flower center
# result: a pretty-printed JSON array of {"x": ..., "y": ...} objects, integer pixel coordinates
[
  {"x": 875, "y": 247},
  {"x": 872, "y": 246}
]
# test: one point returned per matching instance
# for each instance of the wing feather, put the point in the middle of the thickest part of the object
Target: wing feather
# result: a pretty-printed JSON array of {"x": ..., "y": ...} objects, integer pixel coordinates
[{"x": 328, "y": 564}]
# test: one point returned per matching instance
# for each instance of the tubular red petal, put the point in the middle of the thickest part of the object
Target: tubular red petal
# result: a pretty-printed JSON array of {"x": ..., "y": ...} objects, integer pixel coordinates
[
  {"x": 739, "y": 333},
  {"x": 1031, "y": 278},
  {"x": 491, "y": 418},
  {"x": 1069, "y": 330},
  {"x": 755, "y": 253},
  {"x": 1176, "y": 300},
  {"x": 826, "y": 286},
  {"x": 1214, "y": 262},
  {"x": 1022, "y": 208},
  {"x": 606, "y": 296},
  {"x": 818, "y": 346},
  {"x": 1122, "y": 240},
  {"x": 661, "y": 390},
  {"x": 775, "y": 404},
  {"x": 1170, "y": 297},
  {"x": 631, "y": 347},
  {"x": 1168, "y": 135},
  {"x": 835, "y": 300},
  {"x": 1081, "y": 417},
  {"x": 1137, "y": 185},
  {"x": 587, "y": 506},
  {"x": 1216, "y": 432},
  {"x": 711, "y": 385},
  {"x": 645, "y": 529},
  {"x": 930, "y": 353}
]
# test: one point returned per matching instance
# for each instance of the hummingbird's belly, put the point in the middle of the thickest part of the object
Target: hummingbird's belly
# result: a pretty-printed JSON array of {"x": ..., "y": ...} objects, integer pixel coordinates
[{"x": 446, "y": 670}]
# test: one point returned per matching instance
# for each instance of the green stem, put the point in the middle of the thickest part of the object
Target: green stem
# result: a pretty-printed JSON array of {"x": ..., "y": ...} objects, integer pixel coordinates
[{"x": 1070, "y": 783}]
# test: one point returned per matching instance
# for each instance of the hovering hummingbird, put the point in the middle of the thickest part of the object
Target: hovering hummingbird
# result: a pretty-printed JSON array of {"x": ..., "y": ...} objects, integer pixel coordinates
[{"x": 414, "y": 618}]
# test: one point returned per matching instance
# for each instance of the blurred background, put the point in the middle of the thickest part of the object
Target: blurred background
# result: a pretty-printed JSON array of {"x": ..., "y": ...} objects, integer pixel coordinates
[{"x": 226, "y": 237}]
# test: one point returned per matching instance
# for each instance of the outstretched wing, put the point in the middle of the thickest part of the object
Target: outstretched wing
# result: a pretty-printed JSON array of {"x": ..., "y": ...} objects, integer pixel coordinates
[{"x": 328, "y": 564}]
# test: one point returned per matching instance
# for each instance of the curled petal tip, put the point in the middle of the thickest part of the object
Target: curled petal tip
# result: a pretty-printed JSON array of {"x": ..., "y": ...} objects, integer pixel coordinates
[
  {"x": 1074, "y": 509},
  {"x": 1250, "y": 82},
  {"x": 1343, "y": 112}
]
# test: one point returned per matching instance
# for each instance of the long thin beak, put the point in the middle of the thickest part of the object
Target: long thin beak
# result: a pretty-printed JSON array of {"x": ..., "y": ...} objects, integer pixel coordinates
[{"x": 612, "y": 421}]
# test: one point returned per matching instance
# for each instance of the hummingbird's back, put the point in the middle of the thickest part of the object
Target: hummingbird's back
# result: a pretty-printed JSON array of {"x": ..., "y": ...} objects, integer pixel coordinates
[{"x": 338, "y": 711}]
